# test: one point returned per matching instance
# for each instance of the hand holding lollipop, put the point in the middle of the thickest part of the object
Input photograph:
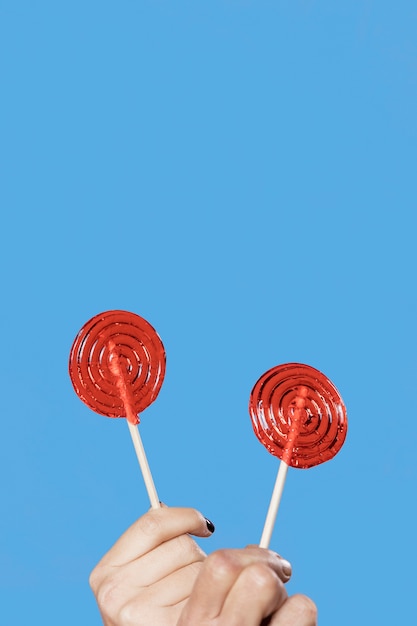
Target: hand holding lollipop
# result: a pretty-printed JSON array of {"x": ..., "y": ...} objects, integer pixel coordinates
[
  {"x": 298, "y": 415},
  {"x": 117, "y": 366}
]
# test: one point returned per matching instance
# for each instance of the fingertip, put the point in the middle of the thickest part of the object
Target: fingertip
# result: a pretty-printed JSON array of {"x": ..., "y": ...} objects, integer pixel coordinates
[
  {"x": 281, "y": 566},
  {"x": 204, "y": 526},
  {"x": 192, "y": 521},
  {"x": 286, "y": 567}
]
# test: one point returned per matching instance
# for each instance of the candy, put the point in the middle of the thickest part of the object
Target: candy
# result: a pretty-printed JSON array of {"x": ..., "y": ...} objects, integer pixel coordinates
[
  {"x": 117, "y": 366},
  {"x": 298, "y": 415}
]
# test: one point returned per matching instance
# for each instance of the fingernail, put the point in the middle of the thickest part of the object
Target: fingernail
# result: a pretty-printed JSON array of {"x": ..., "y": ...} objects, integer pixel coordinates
[
  {"x": 210, "y": 526},
  {"x": 286, "y": 567}
]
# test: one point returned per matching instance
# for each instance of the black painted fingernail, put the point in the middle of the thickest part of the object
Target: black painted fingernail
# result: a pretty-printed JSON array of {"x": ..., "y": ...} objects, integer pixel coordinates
[{"x": 210, "y": 526}]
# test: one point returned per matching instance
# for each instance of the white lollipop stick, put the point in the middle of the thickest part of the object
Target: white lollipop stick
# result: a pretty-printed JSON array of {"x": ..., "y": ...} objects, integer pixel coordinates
[
  {"x": 144, "y": 465},
  {"x": 283, "y": 468},
  {"x": 274, "y": 505},
  {"x": 131, "y": 419}
]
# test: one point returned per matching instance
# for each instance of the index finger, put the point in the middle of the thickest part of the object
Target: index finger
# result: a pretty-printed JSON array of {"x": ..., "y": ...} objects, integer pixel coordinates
[{"x": 152, "y": 529}]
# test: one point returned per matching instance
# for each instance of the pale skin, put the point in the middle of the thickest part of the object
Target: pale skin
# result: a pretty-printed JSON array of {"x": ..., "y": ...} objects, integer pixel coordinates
[{"x": 156, "y": 575}]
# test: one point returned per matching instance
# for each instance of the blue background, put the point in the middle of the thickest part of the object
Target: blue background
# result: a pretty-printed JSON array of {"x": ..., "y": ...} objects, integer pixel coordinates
[{"x": 243, "y": 175}]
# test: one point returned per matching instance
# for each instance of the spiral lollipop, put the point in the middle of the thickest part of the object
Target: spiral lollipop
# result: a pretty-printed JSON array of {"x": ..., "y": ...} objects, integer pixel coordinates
[
  {"x": 299, "y": 416},
  {"x": 117, "y": 366}
]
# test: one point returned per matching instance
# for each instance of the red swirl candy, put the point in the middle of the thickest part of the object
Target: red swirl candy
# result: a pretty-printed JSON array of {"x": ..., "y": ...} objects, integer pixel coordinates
[
  {"x": 117, "y": 364},
  {"x": 298, "y": 415}
]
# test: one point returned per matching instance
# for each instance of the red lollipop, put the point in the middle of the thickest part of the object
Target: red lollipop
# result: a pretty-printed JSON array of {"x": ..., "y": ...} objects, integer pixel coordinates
[
  {"x": 117, "y": 366},
  {"x": 299, "y": 416}
]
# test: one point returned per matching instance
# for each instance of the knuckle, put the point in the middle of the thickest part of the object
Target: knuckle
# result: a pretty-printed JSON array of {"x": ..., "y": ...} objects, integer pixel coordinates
[
  {"x": 128, "y": 615},
  {"x": 221, "y": 564},
  {"x": 109, "y": 596},
  {"x": 95, "y": 578},
  {"x": 150, "y": 523},
  {"x": 262, "y": 578},
  {"x": 306, "y": 607}
]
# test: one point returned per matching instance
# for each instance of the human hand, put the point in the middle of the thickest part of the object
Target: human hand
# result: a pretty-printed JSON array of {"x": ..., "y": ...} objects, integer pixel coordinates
[
  {"x": 146, "y": 577},
  {"x": 245, "y": 588}
]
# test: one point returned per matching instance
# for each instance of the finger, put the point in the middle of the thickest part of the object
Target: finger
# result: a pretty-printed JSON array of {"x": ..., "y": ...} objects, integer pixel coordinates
[
  {"x": 166, "y": 558},
  {"x": 152, "y": 529},
  {"x": 286, "y": 565},
  {"x": 139, "y": 610},
  {"x": 116, "y": 588},
  {"x": 177, "y": 586},
  {"x": 257, "y": 593},
  {"x": 160, "y": 616},
  {"x": 159, "y": 604},
  {"x": 281, "y": 566},
  {"x": 298, "y": 610},
  {"x": 218, "y": 574}
]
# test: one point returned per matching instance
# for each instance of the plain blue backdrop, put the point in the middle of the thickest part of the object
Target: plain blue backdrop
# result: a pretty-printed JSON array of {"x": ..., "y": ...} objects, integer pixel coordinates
[{"x": 243, "y": 175}]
